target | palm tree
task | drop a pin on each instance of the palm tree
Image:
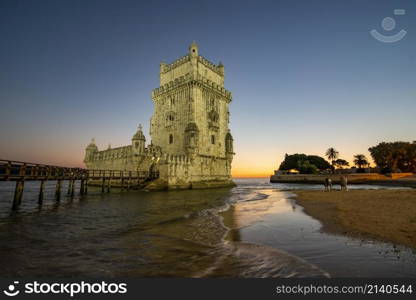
(332, 155)
(360, 160)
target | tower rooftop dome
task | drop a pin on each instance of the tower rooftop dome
(139, 134)
(92, 145)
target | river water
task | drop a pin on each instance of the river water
(253, 230)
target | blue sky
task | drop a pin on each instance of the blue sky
(305, 75)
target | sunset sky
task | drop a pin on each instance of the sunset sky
(305, 75)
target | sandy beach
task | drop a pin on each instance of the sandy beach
(385, 215)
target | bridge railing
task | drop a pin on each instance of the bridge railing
(20, 172)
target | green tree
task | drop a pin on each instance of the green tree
(332, 155)
(339, 163)
(305, 167)
(382, 156)
(319, 162)
(294, 161)
(411, 156)
(291, 161)
(360, 161)
(395, 156)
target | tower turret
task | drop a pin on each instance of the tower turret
(191, 138)
(90, 151)
(193, 49)
(229, 144)
(193, 53)
(163, 66)
(220, 68)
(138, 141)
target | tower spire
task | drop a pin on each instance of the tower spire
(193, 49)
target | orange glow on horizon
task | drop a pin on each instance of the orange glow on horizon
(244, 166)
(242, 172)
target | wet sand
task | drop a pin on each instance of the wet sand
(385, 215)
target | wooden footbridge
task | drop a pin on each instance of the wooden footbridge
(20, 172)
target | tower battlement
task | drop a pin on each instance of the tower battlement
(190, 79)
(164, 67)
(191, 64)
(216, 68)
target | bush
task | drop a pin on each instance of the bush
(292, 162)
(305, 167)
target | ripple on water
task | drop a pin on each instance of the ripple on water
(166, 234)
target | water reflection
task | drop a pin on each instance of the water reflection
(246, 231)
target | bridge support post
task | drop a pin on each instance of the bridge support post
(69, 187)
(108, 185)
(82, 187)
(86, 187)
(72, 188)
(41, 190)
(18, 194)
(102, 185)
(58, 190)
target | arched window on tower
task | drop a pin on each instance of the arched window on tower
(213, 139)
(170, 118)
(170, 139)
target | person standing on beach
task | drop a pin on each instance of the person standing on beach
(328, 184)
(343, 183)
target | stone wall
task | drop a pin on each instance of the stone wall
(399, 175)
(352, 178)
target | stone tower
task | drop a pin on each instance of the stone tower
(138, 141)
(191, 144)
(191, 114)
(90, 151)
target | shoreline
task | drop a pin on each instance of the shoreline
(396, 183)
(382, 215)
(396, 179)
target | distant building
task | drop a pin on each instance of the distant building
(191, 142)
